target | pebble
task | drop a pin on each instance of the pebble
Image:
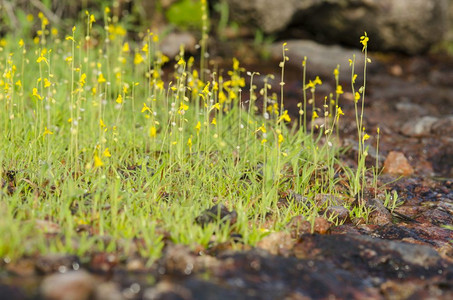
(299, 225)
(418, 127)
(397, 164)
(108, 291)
(277, 243)
(74, 285)
(55, 262)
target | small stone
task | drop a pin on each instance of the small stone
(74, 285)
(277, 243)
(216, 213)
(299, 225)
(55, 262)
(171, 43)
(396, 164)
(108, 291)
(379, 215)
(338, 212)
(327, 200)
(178, 260)
(419, 127)
(443, 127)
(167, 290)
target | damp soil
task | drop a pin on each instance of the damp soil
(404, 255)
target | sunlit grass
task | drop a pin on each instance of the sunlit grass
(115, 158)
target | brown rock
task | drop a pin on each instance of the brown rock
(277, 243)
(299, 225)
(338, 212)
(396, 164)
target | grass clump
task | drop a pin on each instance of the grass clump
(100, 153)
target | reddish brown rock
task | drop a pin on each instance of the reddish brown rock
(396, 164)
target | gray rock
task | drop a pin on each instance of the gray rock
(444, 127)
(74, 285)
(410, 26)
(269, 15)
(171, 44)
(418, 127)
(321, 59)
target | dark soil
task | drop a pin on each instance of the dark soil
(409, 256)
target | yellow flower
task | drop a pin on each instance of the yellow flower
(315, 115)
(189, 143)
(356, 97)
(198, 127)
(339, 111)
(280, 139)
(365, 137)
(262, 128)
(47, 83)
(46, 132)
(336, 72)
(183, 107)
(107, 153)
(364, 41)
(35, 93)
(125, 47)
(138, 59)
(152, 131)
(92, 19)
(101, 123)
(119, 99)
(82, 79)
(19, 83)
(285, 117)
(215, 106)
(339, 90)
(317, 81)
(101, 78)
(214, 121)
(145, 108)
(354, 78)
(97, 161)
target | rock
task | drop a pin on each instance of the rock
(269, 15)
(108, 291)
(396, 164)
(379, 215)
(216, 213)
(418, 127)
(327, 200)
(277, 243)
(171, 44)
(74, 285)
(321, 59)
(55, 262)
(299, 225)
(167, 290)
(177, 260)
(444, 127)
(338, 212)
(410, 26)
